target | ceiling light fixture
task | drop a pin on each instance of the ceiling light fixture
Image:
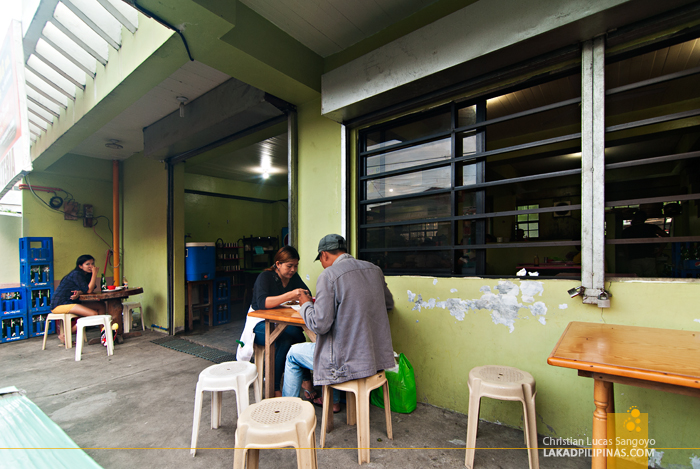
(114, 144)
(266, 175)
(182, 100)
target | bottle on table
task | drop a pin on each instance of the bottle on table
(103, 284)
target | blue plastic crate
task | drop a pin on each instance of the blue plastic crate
(222, 314)
(36, 274)
(13, 328)
(39, 299)
(36, 249)
(10, 304)
(37, 322)
(222, 289)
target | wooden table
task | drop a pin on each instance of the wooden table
(276, 320)
(113, 305)
(662, 359)
(210, 305)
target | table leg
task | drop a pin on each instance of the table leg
(189, 306)
(269, 362)
(602, 391)
(114, 309)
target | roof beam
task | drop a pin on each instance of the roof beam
(68, 56)
(80, 42)
(86, 19)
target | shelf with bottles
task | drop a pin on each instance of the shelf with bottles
(39, 299)
(13, 328)
(228, 256)
(259, 252)
(13, 301)
(37, 323)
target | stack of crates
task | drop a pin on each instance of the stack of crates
(37, 276)
(13, 314)
(222, 299)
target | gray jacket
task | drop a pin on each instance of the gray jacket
(351, 322)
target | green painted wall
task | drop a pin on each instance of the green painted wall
(208, 218)
(10, 232)
(319, 185)
(145, 233)
(443, 348)
(89, 180)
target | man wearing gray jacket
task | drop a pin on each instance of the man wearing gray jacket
(349, 318)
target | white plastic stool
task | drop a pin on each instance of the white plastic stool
(508, 384)
(357, 411)
(227, 376)
(279, 422)
(126, 312)
(67, 332)
(259, 354)
(104, 320)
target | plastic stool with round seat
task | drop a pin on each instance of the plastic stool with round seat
(65, 317)
(507, 384)
(227, 376)
(127, 308)
(104, 320)
(357, 410)
(279, 422)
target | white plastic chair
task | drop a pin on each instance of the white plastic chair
(66, 327)
(508, 384)
(227, 376)
(104, 320)
(279, 422)
(127, 309)
(357, 411)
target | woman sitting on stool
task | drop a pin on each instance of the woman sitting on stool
(82, 279)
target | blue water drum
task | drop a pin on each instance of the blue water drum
(200, 261)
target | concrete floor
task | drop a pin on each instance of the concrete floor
(134, 409)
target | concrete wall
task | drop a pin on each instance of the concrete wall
(89, 180)
(319, 185)
(145, 234)
(10, 232)
(208, 217)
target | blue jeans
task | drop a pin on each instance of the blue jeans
(291, 335)
(299, 359)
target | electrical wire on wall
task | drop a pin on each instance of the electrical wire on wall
(56, 202)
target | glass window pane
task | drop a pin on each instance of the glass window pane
(433, 206)
(419, 234)
(466, 116)
(553, 261)
(466, 174)
(536, 96)
(652, 64)
(391, 135)
(412, 183)
(412, 262)
(544, 125)
(405, 158)
(531, 162)
(522, 217)
(468, 143)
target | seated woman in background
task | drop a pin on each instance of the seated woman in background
(275, 285)
(82, 279)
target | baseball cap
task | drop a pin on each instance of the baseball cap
(330, 242)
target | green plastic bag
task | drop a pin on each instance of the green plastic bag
(402, 388)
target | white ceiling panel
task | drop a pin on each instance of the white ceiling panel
(98, 19)
(76, 29)
(48, 73)
(68, 47)
(43, 101)
(59, 62)
(45, 89)
(40, 113)
(126, 15)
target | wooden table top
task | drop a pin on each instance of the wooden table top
(288, 315)
(646, 353)
(110, 294)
